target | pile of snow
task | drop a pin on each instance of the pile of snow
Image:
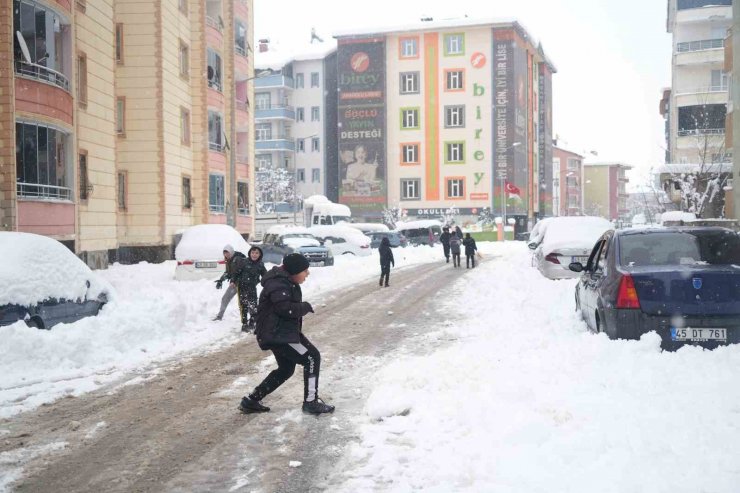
(207, 241)
(35, 268)
(676, 216)
(317, 199)
(574, 232)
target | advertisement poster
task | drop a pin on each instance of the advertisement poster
(361, 122)
(545, 141)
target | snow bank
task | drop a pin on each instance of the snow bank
(207, 241)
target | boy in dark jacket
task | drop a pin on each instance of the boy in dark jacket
(444, 238)
(386, 260)
(470, 249)
(247, 274)
(455, 249)
(279, 328)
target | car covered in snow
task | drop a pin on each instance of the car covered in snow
(279, 241)
(342, 240)
(199, 254)
(395, 238)
(565, 240)
(681, 282)
(421, 232)
(45, 284)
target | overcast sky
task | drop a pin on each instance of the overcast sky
(613, 58)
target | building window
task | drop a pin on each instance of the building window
(242, 192)
(300, 114)
(184, 60)
(263, 131)
(122, 190)
(410, 153)
(454, 152)
(316, 175)
(262, 100)
(411, 189)
(315, 114)
(215, 131)
(82, 80)
(572, 201)
(301, 145)
(240, 38)
(119, 43)
(299, 81)
(573, 163)
(184, 126)
(301, 175)
(41, 162)
(454, 116)
(314, 79)
(454, 44)
(409, 118)
(121, 116)
(409, 82)
(315, 144)
(84, 183)
(187, 198)
(718, 81)
(705, 119)
(214, 70)
(183, 5)
(409, 47)
(454, 80)
(263, 161)
(216, 193)
(455, 188)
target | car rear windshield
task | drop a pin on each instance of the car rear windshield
(680, 248)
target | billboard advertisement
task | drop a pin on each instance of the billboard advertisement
(545, 140)
(361, 125)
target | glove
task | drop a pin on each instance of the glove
(308, 307)
(219, 284)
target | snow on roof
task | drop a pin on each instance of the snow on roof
(278, 56)
(337, 230)
(692, 168)
(332, 209)
(316, 199)
(207, 241)
(574, 232)
(35, 268)
(422, 223)
(369, 227)
(677, 216)
(605, 162)
(281, 229)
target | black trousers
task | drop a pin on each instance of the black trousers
(385, 271)
(456, 259)
(446, 249)
(288, 356)
(247, 301)
(470, 260)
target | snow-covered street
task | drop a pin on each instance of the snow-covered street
(495, 385)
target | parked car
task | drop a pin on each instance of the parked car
(199, 253)
(681, 282)
(342, 240)
(566, 240)
(45, 284)
(395, 238)
(368, 227)
(538, 231)
(282, 240)
(422, 232)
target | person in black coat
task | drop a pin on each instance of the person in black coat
(459, 232)
(470, 249)
(280, 329)
(444, 238)
(386, 260)
(247, 274)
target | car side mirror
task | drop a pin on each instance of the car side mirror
(576, 267)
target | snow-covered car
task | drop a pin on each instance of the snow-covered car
(538, 231)
(199, 253)
(395, 238)
(566, 240)
(282, 240)
(421, 232)
(342, 240)
(367, 227)
(45, 284)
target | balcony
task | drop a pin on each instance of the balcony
(37, 191)
(703, 11)
(275, 143)
(701, 131)
(41, 73)
(216, 24)
(274, 81)
(274, 111)
(701, 45)
(696, 57)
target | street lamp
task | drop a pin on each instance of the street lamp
(502, 175)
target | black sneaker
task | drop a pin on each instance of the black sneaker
(246, 328)
(249, 405)
(317, 406)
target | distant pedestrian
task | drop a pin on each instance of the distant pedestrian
(444, 238)
(386, 260)
(247, 274)
(279, 329)
(470, 249)
(431, 237)
(459, 232)
(229, 255)
(455, 249)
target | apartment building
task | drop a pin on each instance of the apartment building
(444, 115)
(699, 92)
(567, 182)
(605, 189)
(131, 121)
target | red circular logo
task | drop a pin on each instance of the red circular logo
(360, 61)
(478, 59)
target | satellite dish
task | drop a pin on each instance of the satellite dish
(24, 46)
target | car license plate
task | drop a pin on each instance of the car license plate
(698, 335)
(580, 260)
(316, 264)
(206, 265)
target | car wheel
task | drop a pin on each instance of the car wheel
(36, 322)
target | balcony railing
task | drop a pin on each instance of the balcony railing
(243, 211)
(701, 45)
(239, 50)
(275, 136)
(215, 84)
(701, 131)
(38, 191)
(39, 72)
(217, 208)
(242, 106)
(216, 146)
(242, 158)
(214, 23)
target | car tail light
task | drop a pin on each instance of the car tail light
(185, 262)
(553, 257)
(364, 246)
(221, 262)
(627, 294)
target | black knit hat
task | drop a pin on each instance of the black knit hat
(295, 263)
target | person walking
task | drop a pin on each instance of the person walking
(444, 238)
(386, 260)
(455, 249)
(229, 256)
(470, 249)
(459, 232)
(280, 329)
(249, 272)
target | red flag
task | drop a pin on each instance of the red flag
(512, 189)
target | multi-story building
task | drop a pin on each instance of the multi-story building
(605, 190)
(441, 115)
(121, 140)
(699, 91)
(732, 140)
(567, 182)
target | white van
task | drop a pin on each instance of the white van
(342, 240)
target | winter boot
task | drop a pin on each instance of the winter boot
(249, 405)
(217, 318)
(246, 328)
(317, 406)
(380, 283)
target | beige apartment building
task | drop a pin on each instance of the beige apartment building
(131, 122)
(605, 189)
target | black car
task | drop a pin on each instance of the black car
(395, 238)
(683, 283)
